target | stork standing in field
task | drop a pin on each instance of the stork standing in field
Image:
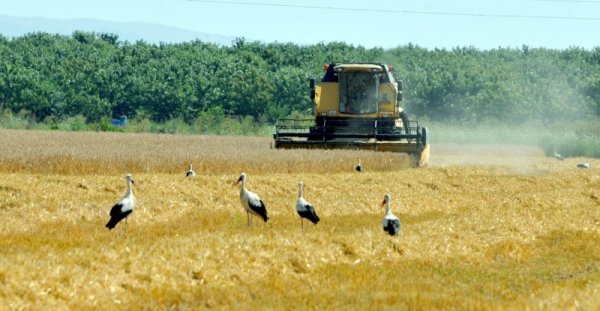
(585, 164)
(391, 223)
(558, 155)
(190, 172)
(305, 209)
(359, 167)
(251, 202)
(123, 208)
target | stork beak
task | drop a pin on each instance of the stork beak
(238, 181)
(133, 181)
(382, 203)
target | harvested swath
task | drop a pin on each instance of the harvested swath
(525, 237)
(182, 240)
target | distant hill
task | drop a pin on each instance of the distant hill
(130, 31)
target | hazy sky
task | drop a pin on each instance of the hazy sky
(443, 23)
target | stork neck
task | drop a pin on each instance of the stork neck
(129, 191)
(243, 184)
(387, 208)
(300, 190)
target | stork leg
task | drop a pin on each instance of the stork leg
(122, 231)
(126, 228)
(249, 220)
(302, 223)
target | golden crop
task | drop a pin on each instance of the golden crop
(484, 227)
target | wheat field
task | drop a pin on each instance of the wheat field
(483, 227)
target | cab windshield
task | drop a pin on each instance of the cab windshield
(358, 92)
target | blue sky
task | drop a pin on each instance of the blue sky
(444, 24)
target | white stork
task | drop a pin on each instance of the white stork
(251, 202)
(358, 166)
(391, 223)
(190, 172)
(305, 209)
(585, 164)
(123, 208)
(558, 155)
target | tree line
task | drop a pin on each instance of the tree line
(97, 76)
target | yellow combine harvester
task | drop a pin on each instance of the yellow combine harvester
(357, 106)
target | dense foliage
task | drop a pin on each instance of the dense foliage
(507, 85)
(97, 76)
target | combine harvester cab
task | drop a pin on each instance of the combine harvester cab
(357, 106)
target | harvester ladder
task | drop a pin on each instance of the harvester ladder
(324, 130)
(376, 132)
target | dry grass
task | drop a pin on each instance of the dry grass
(79, 153)
(522, 234)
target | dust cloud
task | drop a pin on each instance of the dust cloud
(514, 158)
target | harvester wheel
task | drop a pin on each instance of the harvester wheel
(424, 136)
(415, 157)
(404, 118)
(315, 133)
(423, 158)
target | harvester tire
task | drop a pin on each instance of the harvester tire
(424, 136)
(404, 118)
(316, 131)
